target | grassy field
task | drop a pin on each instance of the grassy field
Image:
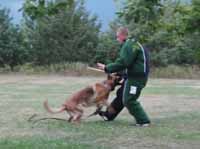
(173, 105)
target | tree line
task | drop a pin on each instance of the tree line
(60, 31)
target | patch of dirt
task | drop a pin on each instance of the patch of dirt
(157, 104)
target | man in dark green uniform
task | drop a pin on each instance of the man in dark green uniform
(133, 59)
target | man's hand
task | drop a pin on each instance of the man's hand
(101, 66)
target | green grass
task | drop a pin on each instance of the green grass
(37, 143)
(173, 106)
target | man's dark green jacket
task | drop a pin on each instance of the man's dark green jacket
(134, 59)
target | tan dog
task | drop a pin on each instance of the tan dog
(96, 95)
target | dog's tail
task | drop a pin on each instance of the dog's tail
(53, 111)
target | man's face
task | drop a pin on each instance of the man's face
(120, 37)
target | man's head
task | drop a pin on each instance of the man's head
(122, 34)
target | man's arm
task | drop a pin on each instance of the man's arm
(126, 59)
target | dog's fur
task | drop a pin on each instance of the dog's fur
(95, 95)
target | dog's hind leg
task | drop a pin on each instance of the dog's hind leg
(70, 119)
(70, 116)
(77, 117)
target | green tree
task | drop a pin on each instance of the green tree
(39, 8)
(141, 17)
(167, 43)
(168, 28)
(192, 35)
(70, 34)
(12, 51)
